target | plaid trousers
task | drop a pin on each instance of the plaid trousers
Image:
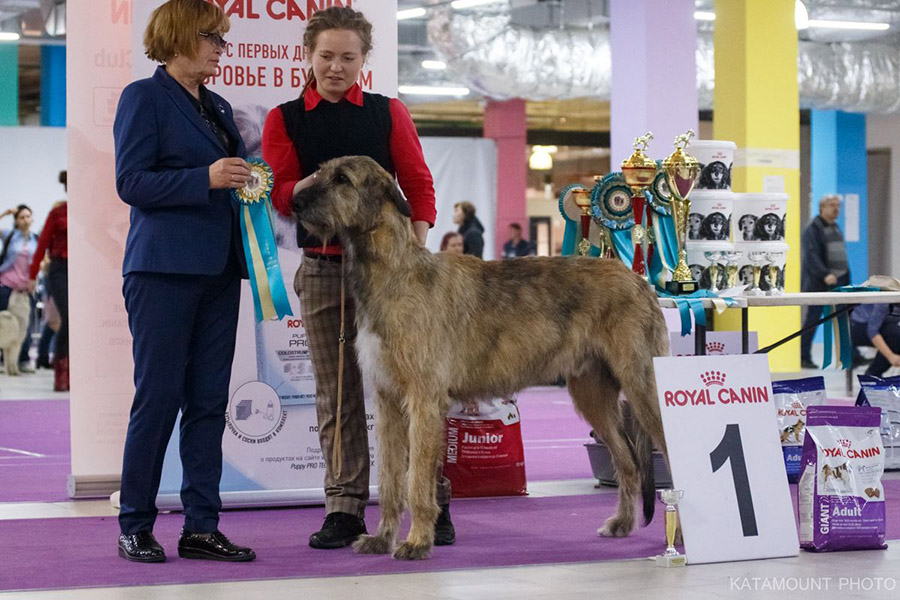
(318, 286)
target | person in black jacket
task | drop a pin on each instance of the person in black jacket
(470, 228)
(823, 259)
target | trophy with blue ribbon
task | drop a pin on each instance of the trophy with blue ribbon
(681, 173)
(270, 298)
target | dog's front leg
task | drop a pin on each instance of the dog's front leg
(393, 452)
(426, 433)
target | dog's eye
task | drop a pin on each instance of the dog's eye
(341, 178)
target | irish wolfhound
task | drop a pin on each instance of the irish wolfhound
(436, 326)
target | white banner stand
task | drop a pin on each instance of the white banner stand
(724, 452)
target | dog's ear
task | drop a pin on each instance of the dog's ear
(399, 201)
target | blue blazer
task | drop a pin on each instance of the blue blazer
(163, 154)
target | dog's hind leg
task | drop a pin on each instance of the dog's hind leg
(393, 458)
(426, 437)
(596, 396)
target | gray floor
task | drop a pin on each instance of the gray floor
(872, 574)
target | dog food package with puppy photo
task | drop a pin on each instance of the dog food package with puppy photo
(840, 496)
(484, 455)
(884, 393)
(792, 397)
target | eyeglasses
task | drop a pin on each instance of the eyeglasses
(215, 38)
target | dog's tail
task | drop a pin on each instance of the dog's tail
(641, 446)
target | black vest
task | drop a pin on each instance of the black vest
(335, 129)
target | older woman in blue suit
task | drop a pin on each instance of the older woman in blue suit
(178, 154)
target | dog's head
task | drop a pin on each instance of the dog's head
(350, 195)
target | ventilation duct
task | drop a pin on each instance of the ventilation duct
(485, 51)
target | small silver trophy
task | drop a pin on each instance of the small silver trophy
(671, 557)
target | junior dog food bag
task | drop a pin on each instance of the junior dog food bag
(885, 394)
(841, 499)
(484, 455)
(792, 397)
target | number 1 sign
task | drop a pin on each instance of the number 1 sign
(720, 423)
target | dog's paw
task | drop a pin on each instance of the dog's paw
(616, 527)
(408, 551)
(370, 544)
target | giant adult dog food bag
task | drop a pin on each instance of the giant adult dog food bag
(483, 455)
(792, 397)
(885, 394)
(841, 499)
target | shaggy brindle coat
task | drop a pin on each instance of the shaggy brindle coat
(436, 326)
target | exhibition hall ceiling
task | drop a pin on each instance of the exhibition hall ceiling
(43, 21)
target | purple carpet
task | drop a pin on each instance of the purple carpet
(34, 450)
(35, 460)
(554, 436)
(490, 533)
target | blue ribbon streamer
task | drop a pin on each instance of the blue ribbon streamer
(621, 239)
(260, 214)
(688, 303)
(842, 324)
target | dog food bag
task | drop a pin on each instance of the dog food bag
(840, 496)
(484, 455)
(792, 397)
(885, 394)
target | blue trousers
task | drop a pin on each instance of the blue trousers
(184, 329)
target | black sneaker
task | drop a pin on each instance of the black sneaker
(808, 364)
(444, 533)
(339, 530)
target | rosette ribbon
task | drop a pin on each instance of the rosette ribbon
(270, 298)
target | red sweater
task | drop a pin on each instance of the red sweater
(54, 237)
(406, 153)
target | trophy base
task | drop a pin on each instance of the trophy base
(671, 561)
(678, 288)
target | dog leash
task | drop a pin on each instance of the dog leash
(336, 454)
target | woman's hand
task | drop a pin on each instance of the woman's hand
(894, 359)
(32, 285)
(228, 173)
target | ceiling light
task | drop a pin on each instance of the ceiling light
(860, 25)
(8, 36)
(801, 16)
(434, 65)
(704, 15)
(428, 90)
(471, 3)
(540, 159)
(410, 13)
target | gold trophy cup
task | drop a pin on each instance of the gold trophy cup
(582, 199)
(671, 557)
(639, 171)
(681, 172)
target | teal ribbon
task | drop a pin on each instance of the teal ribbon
(692, 303)
(571, 234)
(270, 297)
(842, 324)
(621, 239)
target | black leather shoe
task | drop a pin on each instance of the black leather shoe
(339, 530)
(808, 364)
(444, 532)
(141, 547)
(212, 546)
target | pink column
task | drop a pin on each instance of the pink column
(654, 74)
(504, 122)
